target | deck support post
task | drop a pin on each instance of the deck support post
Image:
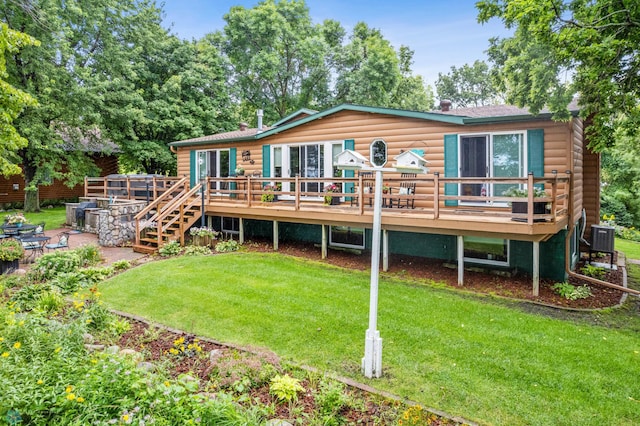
(460, 260)
(324, 241)
(385, 250)
(275, 235)
(536, 268)
(241, 226)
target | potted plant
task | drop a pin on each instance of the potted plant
(203, 236)
(239, 171)
(11, 252)
(268, 194)
(15, 219)
(521, 207)
(330, 199)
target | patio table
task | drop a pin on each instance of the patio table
(35, 245)
(15, 230)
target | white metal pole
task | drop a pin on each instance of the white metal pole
(372, 361)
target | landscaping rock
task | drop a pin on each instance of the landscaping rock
(88, 338)
(113, 349)
(278, 422)
(215, 354)
(147, 366)
(93, 348)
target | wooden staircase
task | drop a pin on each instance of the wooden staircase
(168, 217)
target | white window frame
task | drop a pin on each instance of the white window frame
(206, 152)
(489, 157)
(285, 161)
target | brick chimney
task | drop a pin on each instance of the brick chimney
(445, 105)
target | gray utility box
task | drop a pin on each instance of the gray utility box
(602, 239)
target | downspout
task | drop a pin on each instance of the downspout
(567, 252)
(173, 149)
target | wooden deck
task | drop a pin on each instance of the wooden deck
(434, 212)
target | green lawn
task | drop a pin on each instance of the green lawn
(474, 357)
(630, 248)
(54, 218)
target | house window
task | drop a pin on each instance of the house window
(491, 155)
(310, 160)
(215, 163)
(492, 251)
(346, 236)
(230, 225)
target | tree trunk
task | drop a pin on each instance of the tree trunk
(31, 197)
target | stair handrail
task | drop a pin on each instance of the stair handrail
(161, 198)
(176, 204)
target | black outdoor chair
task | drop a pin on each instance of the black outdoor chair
(39, 231)
(407, 189)
(62, 241)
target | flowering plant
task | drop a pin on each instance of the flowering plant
(268, 196)
(332, 187)
(205, 231)
(15, 218)
(10, 250)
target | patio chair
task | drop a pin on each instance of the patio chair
(62, 242)
(39, 231)
(367, 188)
(407, 188)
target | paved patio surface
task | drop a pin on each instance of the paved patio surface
(109, 254)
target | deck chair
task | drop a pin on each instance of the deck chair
(407, 189)
(367, 188)
(62, 242)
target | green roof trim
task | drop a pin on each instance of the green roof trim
(294, 114)
(430, 116)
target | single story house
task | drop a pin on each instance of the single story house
(459, 211)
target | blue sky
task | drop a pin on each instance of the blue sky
(441, 33)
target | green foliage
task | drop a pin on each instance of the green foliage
(172, 248)
(227, 246)
(10, 250)
(121, 265)
(595, 42)
(50, 265)
(197, 251)
(593, 271)
(468, 86)
(285, 387)
(571, 292)
(331, 399)
(12, 101)
(89, 254)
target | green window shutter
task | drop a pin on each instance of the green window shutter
(232, 161)
(348, 187)
(192, 168)
(535, 153)
(266, 160)
(450, 166)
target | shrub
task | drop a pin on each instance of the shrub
(50, 265)
(331, 398)
(172, 248)
(121, 265)
(285, 388)
(196, 251)
(571, 292)
(89, 254)
(227, 246)
(593, 271)
(10, 250)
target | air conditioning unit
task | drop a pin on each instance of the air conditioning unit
(602, 238)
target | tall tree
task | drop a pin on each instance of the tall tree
(560, 48)
(86, 51)
(368, 69)
(468, 86)
(278, 56)
(411, 92)
(12, 102)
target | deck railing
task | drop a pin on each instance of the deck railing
(434, 194)
(129, 187)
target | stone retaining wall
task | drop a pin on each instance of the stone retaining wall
(116, 223)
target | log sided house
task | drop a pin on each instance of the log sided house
(272, 182)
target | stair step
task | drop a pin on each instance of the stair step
(138, 248)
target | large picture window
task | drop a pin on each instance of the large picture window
(491, 155)
(309, 160)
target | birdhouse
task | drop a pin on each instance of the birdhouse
(410, 162)
(349, 160)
